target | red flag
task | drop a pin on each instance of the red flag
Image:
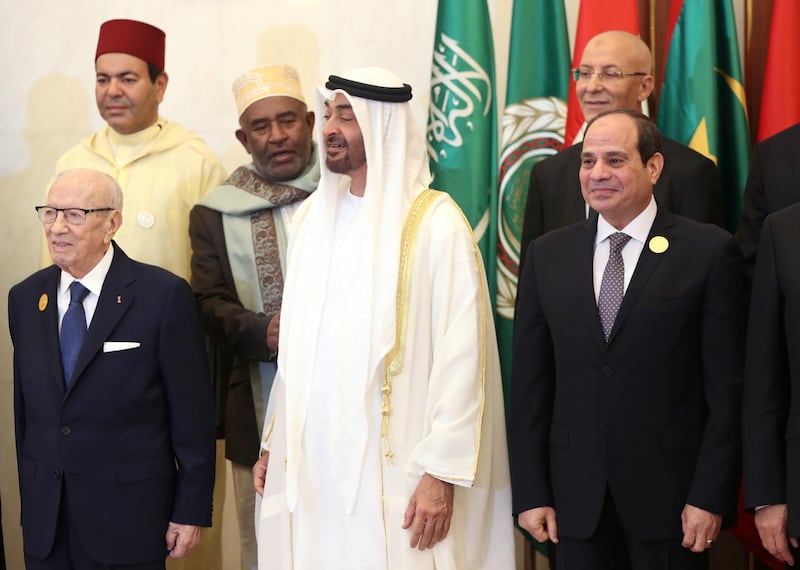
(780, 99)
(596, 16)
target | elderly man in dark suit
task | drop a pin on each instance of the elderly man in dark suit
(627, 370)
(772, 387)
(615, 73)
(112, 397)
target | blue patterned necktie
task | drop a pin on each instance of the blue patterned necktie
(73, 329)
(612, 287)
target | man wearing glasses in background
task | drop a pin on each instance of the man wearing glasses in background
(113, 407)
(615, 74)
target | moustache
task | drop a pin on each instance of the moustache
(336, 139)
(117, 102)
(271, 153)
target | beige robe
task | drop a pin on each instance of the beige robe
(163, 171)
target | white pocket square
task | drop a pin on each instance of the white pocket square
(117, 346)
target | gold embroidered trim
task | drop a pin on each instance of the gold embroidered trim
(484, 310)
(268, 435)
(394, 360)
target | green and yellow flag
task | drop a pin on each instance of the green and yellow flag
(703, 101)
(462, 124)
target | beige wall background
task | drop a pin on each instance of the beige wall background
(47, 104)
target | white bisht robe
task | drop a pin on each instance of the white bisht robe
(346, 454)
(446, 420)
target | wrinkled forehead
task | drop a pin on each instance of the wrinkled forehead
(78, 188)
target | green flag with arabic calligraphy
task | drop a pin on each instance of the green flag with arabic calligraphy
(462, 126)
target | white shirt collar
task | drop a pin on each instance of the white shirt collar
(93, 280)
(638, 228)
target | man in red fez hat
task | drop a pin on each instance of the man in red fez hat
(163, 170)
(133, 53)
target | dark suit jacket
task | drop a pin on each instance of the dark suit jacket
(654, 414)
(772, 380)
(688, 186)
(772, 184)
(131, 443)
(238, 335)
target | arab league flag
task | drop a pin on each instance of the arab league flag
(780, 99)
(532, 129)
(462, 125)
(702, 101)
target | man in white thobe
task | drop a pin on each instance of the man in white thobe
(384, 443)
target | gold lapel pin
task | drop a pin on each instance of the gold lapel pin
(43, 302)
(658, 244)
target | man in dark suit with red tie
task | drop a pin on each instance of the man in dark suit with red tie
(627, 371)
(112, 398)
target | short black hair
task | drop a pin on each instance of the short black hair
(153, 71)
(649, 140)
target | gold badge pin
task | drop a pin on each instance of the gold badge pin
(43, 302)
(658, 244)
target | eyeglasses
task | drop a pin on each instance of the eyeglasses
(73, 216)
(609, 74)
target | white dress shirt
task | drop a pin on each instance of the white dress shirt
(638, 229)
(93, 281)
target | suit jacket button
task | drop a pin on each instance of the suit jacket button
(65, 430)
(57, 474)
(608, 371)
